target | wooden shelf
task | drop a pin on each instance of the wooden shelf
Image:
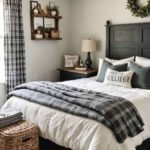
(47, 16)
(54, 39)
(41, 21)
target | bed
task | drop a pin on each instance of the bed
(76, 132)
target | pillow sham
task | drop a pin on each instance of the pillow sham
(114, 62)
(106, 65)
(144, 62)
(141, 76)
(116, 78)
(121, 61)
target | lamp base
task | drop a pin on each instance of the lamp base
(88, 61)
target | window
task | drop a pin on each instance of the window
(2, 70)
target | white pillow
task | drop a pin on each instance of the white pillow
(116, 78)
(114, 62)
(121, 61)
(144, 62)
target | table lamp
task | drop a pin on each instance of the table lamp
(88, 45)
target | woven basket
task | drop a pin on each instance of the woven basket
(19, 136)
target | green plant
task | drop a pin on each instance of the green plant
(46, 30)
(137, 10)
(55, 8)
(40, 28)
(48, 8)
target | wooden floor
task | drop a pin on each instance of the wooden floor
(47, 145)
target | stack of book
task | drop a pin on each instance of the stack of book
(80, 68)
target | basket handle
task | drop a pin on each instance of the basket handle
(25, 139)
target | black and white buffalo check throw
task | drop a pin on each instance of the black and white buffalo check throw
(118, 114)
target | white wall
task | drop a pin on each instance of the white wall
(43, 57)
(2, 94)
(88, 18)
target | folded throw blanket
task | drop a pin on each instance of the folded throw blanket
(8, 117)
(117, 113)
(7, 113)
(11, 121)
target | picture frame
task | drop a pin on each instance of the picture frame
(71, 60)
(38, 22)
(49, 23)
(51, 5)
(34, 4)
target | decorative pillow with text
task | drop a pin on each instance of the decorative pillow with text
(116, 78)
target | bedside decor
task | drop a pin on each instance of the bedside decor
(47, 18)
(137, 10)
(88, 46)
(71, 60)
(80, 68)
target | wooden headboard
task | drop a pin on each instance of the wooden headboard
(125, 40)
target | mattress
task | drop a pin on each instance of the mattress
(80, 133)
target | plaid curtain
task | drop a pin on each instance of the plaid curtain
(14, 48)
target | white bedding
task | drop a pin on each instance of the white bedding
(80, 133)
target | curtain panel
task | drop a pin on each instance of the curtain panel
(14, 47)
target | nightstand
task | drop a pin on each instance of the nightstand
(72, 74)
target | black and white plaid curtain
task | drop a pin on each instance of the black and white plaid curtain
(14, 48)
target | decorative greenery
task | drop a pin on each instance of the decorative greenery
(137, 10)
(46, 30)
(48, 9)
(55, 8)
(40, 28)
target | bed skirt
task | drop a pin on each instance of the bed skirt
(46, 144)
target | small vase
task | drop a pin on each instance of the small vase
(46, 35)
(53, 13)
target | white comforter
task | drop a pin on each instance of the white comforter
(80, 133)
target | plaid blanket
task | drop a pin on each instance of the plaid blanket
(118, 114)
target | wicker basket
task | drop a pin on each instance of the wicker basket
(19, 136)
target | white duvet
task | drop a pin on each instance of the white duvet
(80, 133)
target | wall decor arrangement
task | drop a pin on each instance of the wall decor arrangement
(138, 11)
(44, 22)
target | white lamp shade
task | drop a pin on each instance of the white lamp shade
(88, 45)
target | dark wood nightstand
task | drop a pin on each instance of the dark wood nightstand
(72, 74)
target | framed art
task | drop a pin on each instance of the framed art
(49, 23)
(71, 60)
(34, 4)
(51, 5)
(38, 22)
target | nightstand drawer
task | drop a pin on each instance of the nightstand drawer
(70, 76)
